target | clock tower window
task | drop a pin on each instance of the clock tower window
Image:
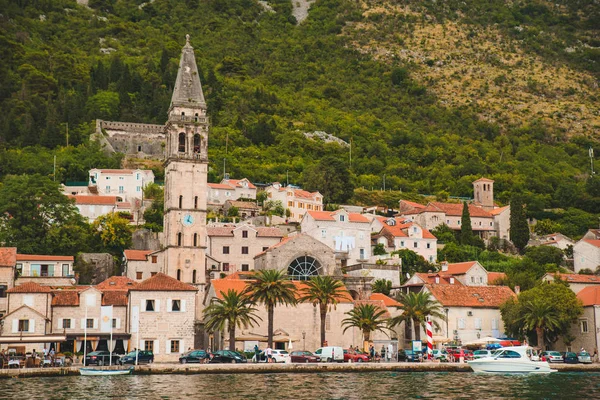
(180, 201)
(195, 239)
(179, 239)
(195, 201)
(182, 142)
(196, 143)
(178, 274)
(183, 116)
(194, 276)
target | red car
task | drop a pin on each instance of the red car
(351, 354)
(304, 357)
(455, 353)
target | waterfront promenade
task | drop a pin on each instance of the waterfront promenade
(182, 369)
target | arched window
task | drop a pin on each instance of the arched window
(179, 239)
(195, 239)
(195, 201)
(180, 201)
(196, 143)
(196, 117)
(178, 274)
(302, 268)
(182, 116)
(194, 276)
(182, 142)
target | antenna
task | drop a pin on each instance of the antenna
(591, 153)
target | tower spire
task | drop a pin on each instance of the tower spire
(188, 90)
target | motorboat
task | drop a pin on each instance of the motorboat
(511, 360)
(105, 372)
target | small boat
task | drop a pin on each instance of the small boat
(511, 360)
(105, 372)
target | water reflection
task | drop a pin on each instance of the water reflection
(372, 385)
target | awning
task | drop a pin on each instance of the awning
(33, 339)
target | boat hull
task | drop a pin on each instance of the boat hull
(508, 366)
(104, 372)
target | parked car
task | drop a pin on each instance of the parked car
(584, 357)
(551, 356)
(194, 356)
(227, 356)
(101, 358)
(482, 353)
(354, 356)
(569, 357)
(408, 355)
(304, 357)
(144, 357)
(280, 356)
(330, 354)
(440, 354)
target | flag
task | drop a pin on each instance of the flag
(106, 317)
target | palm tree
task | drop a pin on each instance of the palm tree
(235, 309)
(368, 318)
(322, 291)
(271, 287)
(416, 308)
(539, 315)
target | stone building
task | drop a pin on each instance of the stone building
(8, 260)
(397, 234)
(577, 282)
(45, 269)
(230, 189)
(132, 139)
(586, 254)
(125, 183)
(296, 200)
(586, 331)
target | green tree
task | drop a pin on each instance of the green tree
(114, 232)
(539, 316)
(466, 229)
(273, 207)
(233, 310)
(379, 250)
(325, 292)
(519, 229)
(546, 227)
(271, 287)
(330, 177)
(412, 262)
(444, 234)
(233, 212)
(154, 191)
(416, 307)
(383, 286)
(368, 318)
(544, 255)
(104, 105)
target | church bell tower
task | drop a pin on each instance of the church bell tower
(186, 169)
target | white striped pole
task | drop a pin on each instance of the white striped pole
(429, 338)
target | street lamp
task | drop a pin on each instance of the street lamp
(447, 330)
(303, 340)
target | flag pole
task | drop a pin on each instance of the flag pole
(85, 335)
(111, 338)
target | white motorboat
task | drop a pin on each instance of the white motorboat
(511, 360)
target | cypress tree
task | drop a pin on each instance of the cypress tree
(466, 230)
(519, 229)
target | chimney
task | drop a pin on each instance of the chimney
(517, 290)
(452, 280)
(444, 266)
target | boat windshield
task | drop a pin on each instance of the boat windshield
(508, 354)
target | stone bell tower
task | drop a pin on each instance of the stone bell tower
(186, 168)
(483, 192)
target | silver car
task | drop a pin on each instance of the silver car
(584, 357)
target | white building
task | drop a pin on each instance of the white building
(577, 282)
(94, 206)
(296, 200)
(397, 234)
(586, 254)
(125, 183)
(230, 189)
(44, 269)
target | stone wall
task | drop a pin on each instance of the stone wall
(102, 265)
(140, 140)
(144, 239)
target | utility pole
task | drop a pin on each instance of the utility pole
(350, 154)
(591, 153)
(54, 173)
(67, 134)
(384, 182)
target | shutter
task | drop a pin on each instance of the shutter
(95, 323)
(32, 326)
(182, 306)
(169, 305)
(157, 304)
(15, 326)
(181, 347)
(143, 306)
(72, 323)
(168, 347)
(82, 323)
(141, 346)
(156, 346)
(50, 270)
(118, 323)
(461, 323)
(494, 323)
(60, 323)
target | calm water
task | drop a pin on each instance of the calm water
(374, 385)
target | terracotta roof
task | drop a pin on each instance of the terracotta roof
(162, 282)
(94, 200)
(482, 179)
(412, 204)
(283, 241)
(459, 268)
(321, 215)
(65, 298)
(401, 229)
(219, 186)
(269, 232)
(30, 287)
(388, 301)
(444, 278)
(219, 231)
(137, 255)
(304, 194)
(471, 296)
(238, 183)
(124, 204)
(499, 210)
(39, 257)
(577, 278)
(114, 298)
(117, 171)
(455, 209)
(496, 276)
(356, 217)
(242, 204)
(589, 296)
(119, 283)
(593, 242)
(8, 256)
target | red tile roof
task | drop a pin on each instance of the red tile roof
(220, 186)
(356, 217)
(137, 255)
(377, 303)
(589, 296)
(412, 204)
(304, 194)
(38, 257)
(120, 283)
(482, 179)
(401, 229)
(30, 287)
(321, 215)
(444, 279)
(283, 241)
(455, 209)
(243, 204)
(114, 298)
(388, 301)
(228, 231)
(94, 200)
(117, 171)
(65, 298)
(238, 183)
(8, 256)
(593, 242)
(459, 268)
(577, 278)
(471, 296)
(496, 276)
(499, 210)
(269, 232)
(219, 231)
(162, 282)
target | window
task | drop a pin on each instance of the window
(481, 279)
(402, 243)
(179, 239)
(244, 250)
(472, 279)
(138, 175)
(175, 305)
(154, 259)
(245, 267)
(149, 305)
(23, 325)
(107, 189)
(477, 322)
(121, 189)
(225, 249)
(3, 289)
(194, 276)
(428, 245)
(108, 178)
(196, 143)
(195, 239)
(362, 254)
(138, 275)
(152, 273)
(182, 142)
(584, 325)
(431, 260)
(265, 248)
(244, 234)
(89, 323)
(19, 268)
(290, 204)
(342, 218)
(491, 224)
(65, 270)
(303, 268)
(180, 201)
(139, 148)
(178, 274)
(114, 323)
(328, 322)
(174, 346)
(458, 222)
(138, 188)
(226, 267)
(461, 323)
(195, 201)
(149, 345)
(415, 245)
(66, 323)
(494, 324)
(323, 233)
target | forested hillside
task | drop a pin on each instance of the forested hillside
(268, 79)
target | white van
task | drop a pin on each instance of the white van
(330, 354)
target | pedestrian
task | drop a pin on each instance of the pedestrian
(383, 352)
(45, 352)
(389, 352)
(33, 354)
(372, 352)
(269, 353)
(256, 352)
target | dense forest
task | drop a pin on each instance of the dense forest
(268, 80)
